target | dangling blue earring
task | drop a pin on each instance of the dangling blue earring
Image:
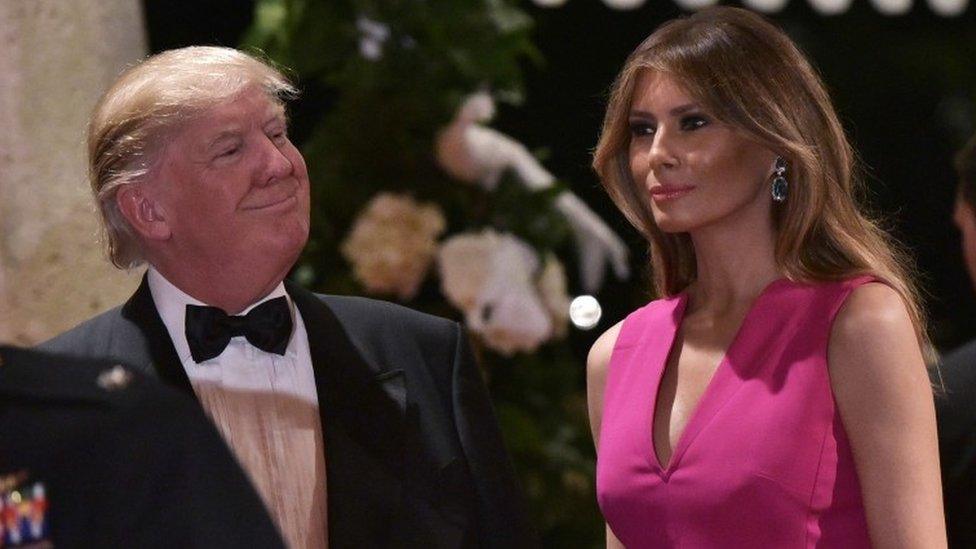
(781, 186)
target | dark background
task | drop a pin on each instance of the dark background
(904, 87)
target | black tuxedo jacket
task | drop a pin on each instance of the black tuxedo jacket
(956, 412)
(413, 455)
(113, 474)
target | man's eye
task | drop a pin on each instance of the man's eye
(641, 129)
(693, 122)
(228, 152)
(277, 134)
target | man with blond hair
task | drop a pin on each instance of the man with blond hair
(361, 423)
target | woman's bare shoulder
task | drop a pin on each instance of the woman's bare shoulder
(599, 357)
(874, 355)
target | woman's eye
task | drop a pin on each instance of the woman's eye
(640, 129)
(693, 122)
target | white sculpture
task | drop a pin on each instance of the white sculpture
(474, 153)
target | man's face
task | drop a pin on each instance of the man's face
(965, 219)
(234, 190)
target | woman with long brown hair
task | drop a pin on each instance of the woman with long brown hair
(776, 395)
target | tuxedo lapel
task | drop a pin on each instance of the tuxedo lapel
(363, 410)
(142, 312)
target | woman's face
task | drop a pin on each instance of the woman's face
(697, 171)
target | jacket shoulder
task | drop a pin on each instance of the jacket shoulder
(109, 336)
(393, 337)
(962, 358)
(957, 373)
(365, 315)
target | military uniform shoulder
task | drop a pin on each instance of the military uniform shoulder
(43, 376)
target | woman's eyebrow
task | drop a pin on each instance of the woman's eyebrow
(676, 111)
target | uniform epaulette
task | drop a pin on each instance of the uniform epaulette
(30, 374)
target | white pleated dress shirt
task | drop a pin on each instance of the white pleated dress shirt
(266, 407)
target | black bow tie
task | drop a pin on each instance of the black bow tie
(209, 329)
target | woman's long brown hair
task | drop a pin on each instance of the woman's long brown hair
(747, 73)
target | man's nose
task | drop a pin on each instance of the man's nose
(276, 164)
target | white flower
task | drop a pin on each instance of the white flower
(462, 264)
(392, 244)
(491, 277)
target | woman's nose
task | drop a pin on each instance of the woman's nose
(661, 154)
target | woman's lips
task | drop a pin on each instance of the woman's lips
(663, 193)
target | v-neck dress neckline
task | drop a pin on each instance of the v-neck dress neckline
(717, 391)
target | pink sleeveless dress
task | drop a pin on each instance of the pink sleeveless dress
(764, 460)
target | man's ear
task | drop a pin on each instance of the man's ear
(144, 214)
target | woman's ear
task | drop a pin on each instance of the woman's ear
(144, 213)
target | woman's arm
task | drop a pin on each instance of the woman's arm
(597, 364)
(885, 401)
